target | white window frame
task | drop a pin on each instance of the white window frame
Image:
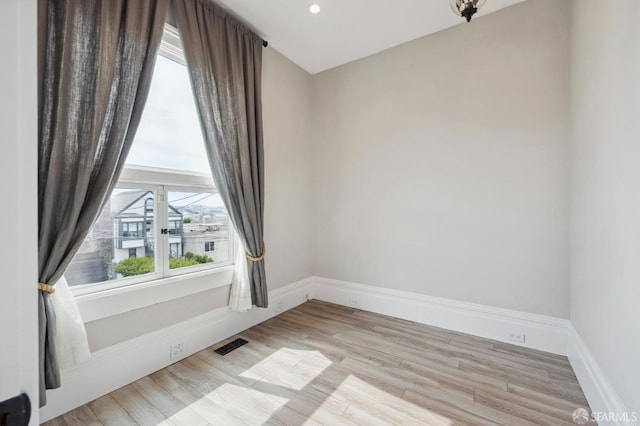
(161, 181)
(105, 299)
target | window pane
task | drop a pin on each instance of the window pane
(121, 242)
(198, 229)
(169, 134)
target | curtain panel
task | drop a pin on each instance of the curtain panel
(225, 65)
(95, 62)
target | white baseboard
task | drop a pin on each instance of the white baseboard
(541, 332)
(599, 392)
(124, 363)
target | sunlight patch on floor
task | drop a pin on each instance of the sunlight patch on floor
(295, 368)
(383, 406)
(237, 398)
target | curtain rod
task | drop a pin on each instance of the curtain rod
(265, 43)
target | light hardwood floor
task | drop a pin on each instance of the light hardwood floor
(327, 364)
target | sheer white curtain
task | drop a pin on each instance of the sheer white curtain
(70, 334)
(240, 298)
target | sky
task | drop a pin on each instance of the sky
(169, 134)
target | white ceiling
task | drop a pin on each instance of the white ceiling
(345, 30)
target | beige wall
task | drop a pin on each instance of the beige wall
(287, 128)
(605, 207)
(440, 166)
(417, 183)
(288, 216)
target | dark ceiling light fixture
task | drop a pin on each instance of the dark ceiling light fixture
(466, 8)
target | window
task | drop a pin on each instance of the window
(165, 215)
(131, 228)
(174, 250)
(175, 225)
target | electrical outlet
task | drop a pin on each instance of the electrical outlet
(354, 302)
(177, 350)
(516, 336)
(280, 306)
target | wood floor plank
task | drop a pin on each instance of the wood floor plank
(109, 412)
(395, 351)
(453, 377)
(270, 381)
(520, 411)
(558, 388)
(141, 410)
(482, 411)
(361, 417)
(547, 395)
(481, 354)
(448, 410)
(58, 421)
(556, 409)
(175, 410)
(198, 402)
(392, 380)
(81, 416)
(393, 333)
(235, 397)
(406, 379)
(383, 406)
(322, 322)
(333, 365)
(282, 328)
(532, 353)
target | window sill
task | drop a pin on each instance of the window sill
(117, 301)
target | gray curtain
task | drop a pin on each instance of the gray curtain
(95, 62)
(225, 64)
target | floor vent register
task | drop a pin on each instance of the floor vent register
(231, 346)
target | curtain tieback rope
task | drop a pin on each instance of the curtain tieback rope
(259, 258)
(46, 288)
